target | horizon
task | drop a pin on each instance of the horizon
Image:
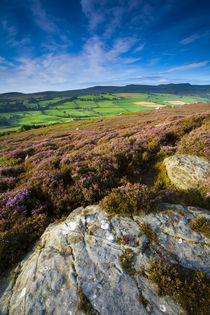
(51, 46)
(101, 86)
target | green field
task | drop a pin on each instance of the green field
(36, 111)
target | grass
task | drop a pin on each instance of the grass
(6, 162)
(55, 110)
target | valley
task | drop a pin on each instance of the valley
(19, 112)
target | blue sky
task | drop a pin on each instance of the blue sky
(71, 44)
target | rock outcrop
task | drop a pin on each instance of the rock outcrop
(187, 171)
(79, 262)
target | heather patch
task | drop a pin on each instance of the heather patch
(50, 172)
(201, 225)
(197, 142)
(24, 214)
(188, 287)
(130, 199)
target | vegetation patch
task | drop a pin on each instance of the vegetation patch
(142, 299)
(145, 228)
(130, 199)
(126, 260)
(84, 304)
(190, 288)
(6, 162)
(62, 167)
(201, 225)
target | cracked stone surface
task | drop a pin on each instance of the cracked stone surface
(84, 250)
(187, 171)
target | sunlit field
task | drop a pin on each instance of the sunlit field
(26, 112)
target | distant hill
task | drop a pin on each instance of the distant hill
(179, 89)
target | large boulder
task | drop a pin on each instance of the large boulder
(78, 264)
(187, 171)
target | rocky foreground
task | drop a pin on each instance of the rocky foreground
(94, 263)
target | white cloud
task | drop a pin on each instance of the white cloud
(112, 13)
(94, 15)
(43, 20)
(189, 39)
(154, 61)
(5, 62)
(67, 71)
(9, 29)
(12, 32)
(139, 48)
(189, 66)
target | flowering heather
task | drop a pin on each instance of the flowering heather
(60, 168)
(188, 287)
(130, 199)
(197, 142)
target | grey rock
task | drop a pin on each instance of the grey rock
(187, 171)
(84, 251)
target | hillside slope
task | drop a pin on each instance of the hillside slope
(179, 89)
(48, 172)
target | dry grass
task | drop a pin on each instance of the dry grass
(132, 95)
(176, 102)
(149, 104)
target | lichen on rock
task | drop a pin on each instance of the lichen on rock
(187, 171)
(75, 271)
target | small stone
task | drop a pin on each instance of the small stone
(163, 308)
(23, 292)
(72, 225)
(104, 225)
(110, 237)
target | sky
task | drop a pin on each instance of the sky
(72, 44)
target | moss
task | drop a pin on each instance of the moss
(145, 228)
(124, 239)
(162, 180)
(84, 304)
(201, 225)
(187, 287)
(126, 260)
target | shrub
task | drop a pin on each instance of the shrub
(20, 238)
(188, 287)
(12, 171)
(196, 142)
(7, 183)
(130, 199)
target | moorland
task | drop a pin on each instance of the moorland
(46, 173)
